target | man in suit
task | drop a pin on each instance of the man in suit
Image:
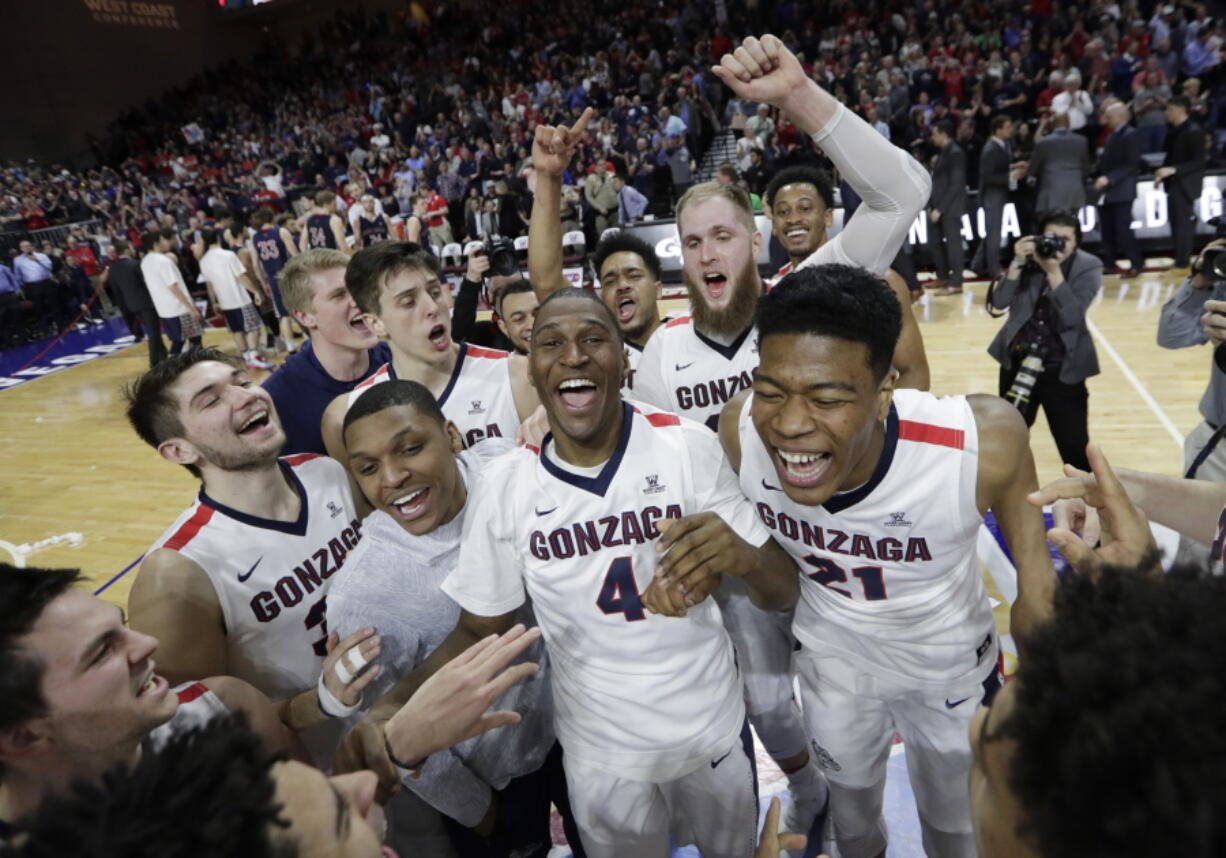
(1182, 174)
(945, 209)
(126, 278)
(630, 203)
(994, 186)
(1061, 164)
(1117, 170)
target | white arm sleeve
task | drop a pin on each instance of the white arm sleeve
(718, 489)
(893, 185)
(487, 580)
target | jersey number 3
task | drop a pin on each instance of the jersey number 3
(619, 594)
(829, 573)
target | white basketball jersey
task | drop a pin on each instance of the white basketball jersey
(271, 577)
(889, 573)
(197, 707)
(478, 397)
(645, 697)
(688, 373)
(634, 356)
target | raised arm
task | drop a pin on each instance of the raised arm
(892, 184)
(910, 359)
(552, 151)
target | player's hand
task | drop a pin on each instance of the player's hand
(1073, 515)
(365, 748)
(453, 704)
(1126, 539)
(553, 146)
(699, 547)
(669, 601)
(478, 264)
(345, 670)
(770, 841)
(1213, 322)
(534, 429)
(763, 70)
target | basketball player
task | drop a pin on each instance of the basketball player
(372, 225)
(271, 247)
(486, 393)
(516, 309)
(627, 266)
(324, 227)
(494, 791)
(181, 319)
(236, 584)
(80, 693)
(694, 365)
(878, 495)
(231, 291)
(800, 202)
(649, 707)
(340, 353)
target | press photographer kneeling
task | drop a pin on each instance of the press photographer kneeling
(1045, 350)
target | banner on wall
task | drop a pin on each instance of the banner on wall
(132, 13)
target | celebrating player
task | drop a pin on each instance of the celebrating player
(485, 393)
(800, 202)
(271, 246)
(236, 585)
(878, 495)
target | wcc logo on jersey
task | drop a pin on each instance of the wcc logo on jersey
(476, 409)
(653, 485)
(897, 519)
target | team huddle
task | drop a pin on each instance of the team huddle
(696, 512)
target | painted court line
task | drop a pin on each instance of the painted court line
(1166, 422)
(118, 575)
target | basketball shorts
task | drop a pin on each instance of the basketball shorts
(245, 318)
(714, 807)
(180, 328)
(274, 292)
(851, 717)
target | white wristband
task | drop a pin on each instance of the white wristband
(329, 705)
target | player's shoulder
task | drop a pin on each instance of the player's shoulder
(316, 466)
(481, 353)
(925, 418)
(181, 532)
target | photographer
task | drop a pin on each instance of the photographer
(1196, 314)
(1045, 350)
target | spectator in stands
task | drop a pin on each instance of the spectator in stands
(760, 124)
(1149, 108)
(36, 278)
(437, 223)
(10, 308)
(1073, 101)
(601, 195)
(1182, 174)
(946, 205)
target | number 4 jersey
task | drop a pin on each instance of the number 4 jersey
(642, 696)
(889, 574)
(271, 576)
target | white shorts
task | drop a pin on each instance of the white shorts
(851, 716)
(715, 807)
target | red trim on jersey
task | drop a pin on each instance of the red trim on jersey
(926, 433)
(196, 689)
(300, 458)
(663, 419)
(477, 351)
(190, 528)
(535, 449)
(681, 320)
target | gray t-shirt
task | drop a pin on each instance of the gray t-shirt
(391, 582)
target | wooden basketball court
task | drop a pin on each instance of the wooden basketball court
(69, 462)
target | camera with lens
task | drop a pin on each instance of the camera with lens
(1049, 245)
(503, 260)
(1213, 259)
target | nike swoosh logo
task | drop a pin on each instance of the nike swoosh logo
(545, 512)
(242, 578)
(956, 703)
(769, 487)
(720, 760)
(682, 366)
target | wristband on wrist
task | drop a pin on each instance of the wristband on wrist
(329, 705)
(411, 768)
